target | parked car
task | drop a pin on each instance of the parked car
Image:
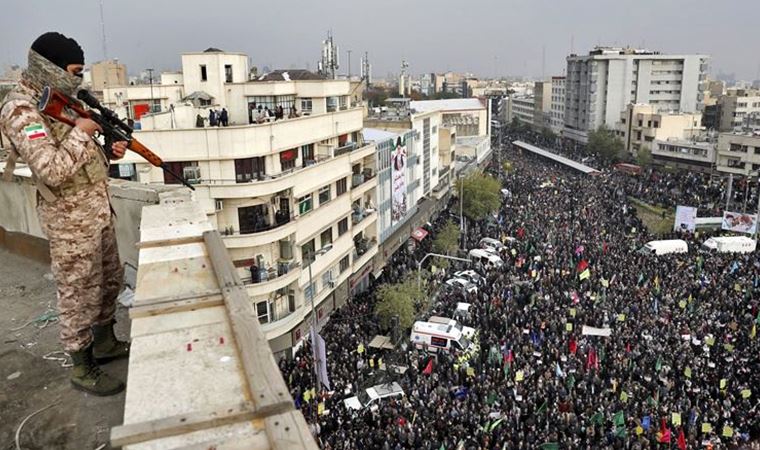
(469, 275)
(460, 283)
(370, 397)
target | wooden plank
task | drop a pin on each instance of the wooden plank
(262, 374)
(289, 431)
(174, 241)
(195, 421)
(237, 436)
(191, 304)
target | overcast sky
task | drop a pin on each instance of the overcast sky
(479, 36)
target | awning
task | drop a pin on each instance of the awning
(419, 234)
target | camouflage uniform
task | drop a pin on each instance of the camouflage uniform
(72, 203)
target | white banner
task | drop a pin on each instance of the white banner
(738, 222)
(592, 331)
(686, 218)
(398, 181)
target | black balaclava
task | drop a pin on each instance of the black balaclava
(48, 58)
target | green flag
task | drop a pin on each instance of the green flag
(597, 418)
(443, 447)
(658, 364)
(550, 446)
(570, 382)
(496, 424)
(542, 408)
(619, 421)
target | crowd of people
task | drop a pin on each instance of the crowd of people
(584, 342)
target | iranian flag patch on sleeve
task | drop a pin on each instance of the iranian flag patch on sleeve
(35, 131)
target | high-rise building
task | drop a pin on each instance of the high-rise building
(738, 108)
(557, 113)
(600, 85)
(542, 99)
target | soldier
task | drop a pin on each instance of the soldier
(71, 173)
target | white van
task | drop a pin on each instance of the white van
(665, 247)
(485, 258)
(730, 244)
(370, 397)
(491, 244)
(467, 331)
(435, 336)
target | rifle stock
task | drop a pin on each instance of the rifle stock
(138, 147)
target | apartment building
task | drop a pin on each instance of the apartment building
(695, 155)
(738, 153)
(600, 85)
(523, 108)
(104, 74)
(557, 112)
(640, 125)
(738, 108)
(295, 198)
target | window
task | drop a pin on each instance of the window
(341, 186)
(438, 342)
(228, 73)
(325, 238)
(307, 252)
(156, 106)
(343, 102)
(306, 105)
(204, 75)
(327, 278)
(307, 154)
(343, 226)
(344, 264)
(332, 104)
(187, 169)
(324, 194)
(288, 159)
(253, 219)
(304, 204)
(656, 124)
(249, 169)
(262, 311)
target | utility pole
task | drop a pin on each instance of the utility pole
(730, 185)
(103, 30)
(349, 64)
(150, 80)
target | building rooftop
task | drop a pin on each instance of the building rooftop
(290, 75)
(377, 135)
(455, 104)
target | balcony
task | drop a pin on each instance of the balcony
(364, 222)
(364, 249)
(263, 235)
(272, 279)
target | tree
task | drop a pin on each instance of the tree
(446, 242)
(604, 143)
(644, 156)
(402, 299)
(482, 195)
(548, 134)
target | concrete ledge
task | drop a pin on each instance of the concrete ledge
(26, 245)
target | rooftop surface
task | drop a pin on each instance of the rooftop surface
(454, 104)
(30, 380)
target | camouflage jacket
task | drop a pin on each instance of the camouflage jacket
(64, 160)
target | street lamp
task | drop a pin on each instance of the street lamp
(419, 264)
(312, 258)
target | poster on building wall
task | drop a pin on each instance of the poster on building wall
(738, 222)
(686, 218)
(398, 181)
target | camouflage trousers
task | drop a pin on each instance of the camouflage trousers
(89, 276)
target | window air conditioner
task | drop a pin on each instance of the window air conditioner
(192, 174)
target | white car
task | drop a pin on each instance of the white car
(369, 397)
(461, 283)
(469, 275)
(491, 244)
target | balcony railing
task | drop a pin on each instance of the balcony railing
(280, 218)
(362, 246)
(359, 215)
(271, 273)
(358, 179)
(345, 148)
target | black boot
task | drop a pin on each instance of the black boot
(87, 376)
(105, 346)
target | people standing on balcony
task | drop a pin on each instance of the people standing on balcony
(224, 117)
(212, 118)
(269, 113)
(199, 121)
(261, 116)
(293, 113)
(279, 114)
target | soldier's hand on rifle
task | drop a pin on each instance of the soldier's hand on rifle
(118, 149)
(88, 126)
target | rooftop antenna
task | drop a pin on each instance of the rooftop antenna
(103, 30)
(543, 61)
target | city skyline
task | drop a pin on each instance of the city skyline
(486, 38)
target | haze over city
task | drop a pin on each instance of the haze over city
(483, 36)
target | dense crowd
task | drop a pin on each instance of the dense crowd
(679, 369)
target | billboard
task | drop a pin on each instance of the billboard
(738, 222)
(686, 218)
(398, 181)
